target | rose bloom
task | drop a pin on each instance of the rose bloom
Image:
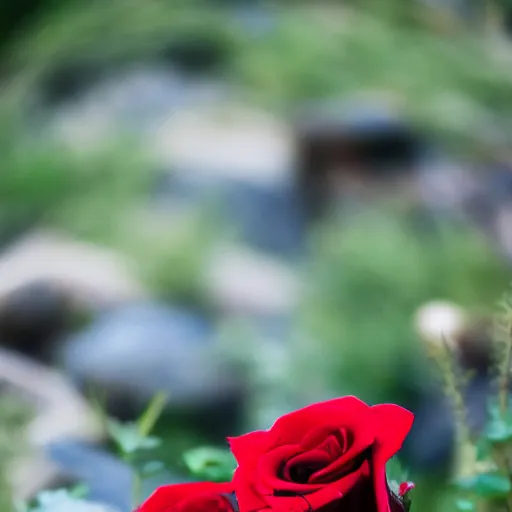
(330, 456)
(193, 497)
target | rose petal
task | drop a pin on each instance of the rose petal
(313, 461)
(319, 499)
(268, 472)
(248, 448)
(293, 427)
(363, 438)
(169, 495)
(327, 434)
(380, 486)
(392, 424)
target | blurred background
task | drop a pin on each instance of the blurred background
(249, 206)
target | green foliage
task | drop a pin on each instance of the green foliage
(211, 464)
(368, 277)
(488, 484)
(395, 475)
(127, 29)
(13, 417)
(98, 196)
(465, 505)
(132, 437)
(384, 46)
(59, 500)
(43, 182)
(460, 78)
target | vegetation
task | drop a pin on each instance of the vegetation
(367, 276)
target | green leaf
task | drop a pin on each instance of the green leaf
(483, 448)
(209, 463)
(498, 431)
(466, 483)
(395, 472)
(152, 468)
(125, 436)
(465, 505)
(151, 415)
(493, 409)
(128, 439)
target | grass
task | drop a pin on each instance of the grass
(369, 276)
(452, 80)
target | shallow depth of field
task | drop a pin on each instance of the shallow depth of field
(237, 208)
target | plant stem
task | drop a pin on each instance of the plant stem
(505, 377)
(137, 489)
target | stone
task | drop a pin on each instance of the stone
(33, 317)
(134, 352)
(59, 412)
(347, 144)
(89, 276)
(48, 281)
(227, 140)
(244, 282)
(61, 501)
(107, 478)
(242, 160)
(265, 217)
(197, 54)
(449, 187)
(136, 101)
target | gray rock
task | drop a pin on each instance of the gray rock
(133, 101)
(108, 479)
(61, 501)
(47, 281)
(90, 276)
(242, 160)
(134, 352)
(245, 282)
(58, 412)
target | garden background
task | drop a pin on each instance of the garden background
(247, 206)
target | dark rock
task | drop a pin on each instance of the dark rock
(33, 317)
(48, 282)
(355, 144)
(68, 81)
(197, 53)
(507, 21)
(132, 353)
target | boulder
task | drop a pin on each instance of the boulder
(245, 282)
(134, 352)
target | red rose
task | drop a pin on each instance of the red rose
(194, 497)
(331, 454)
